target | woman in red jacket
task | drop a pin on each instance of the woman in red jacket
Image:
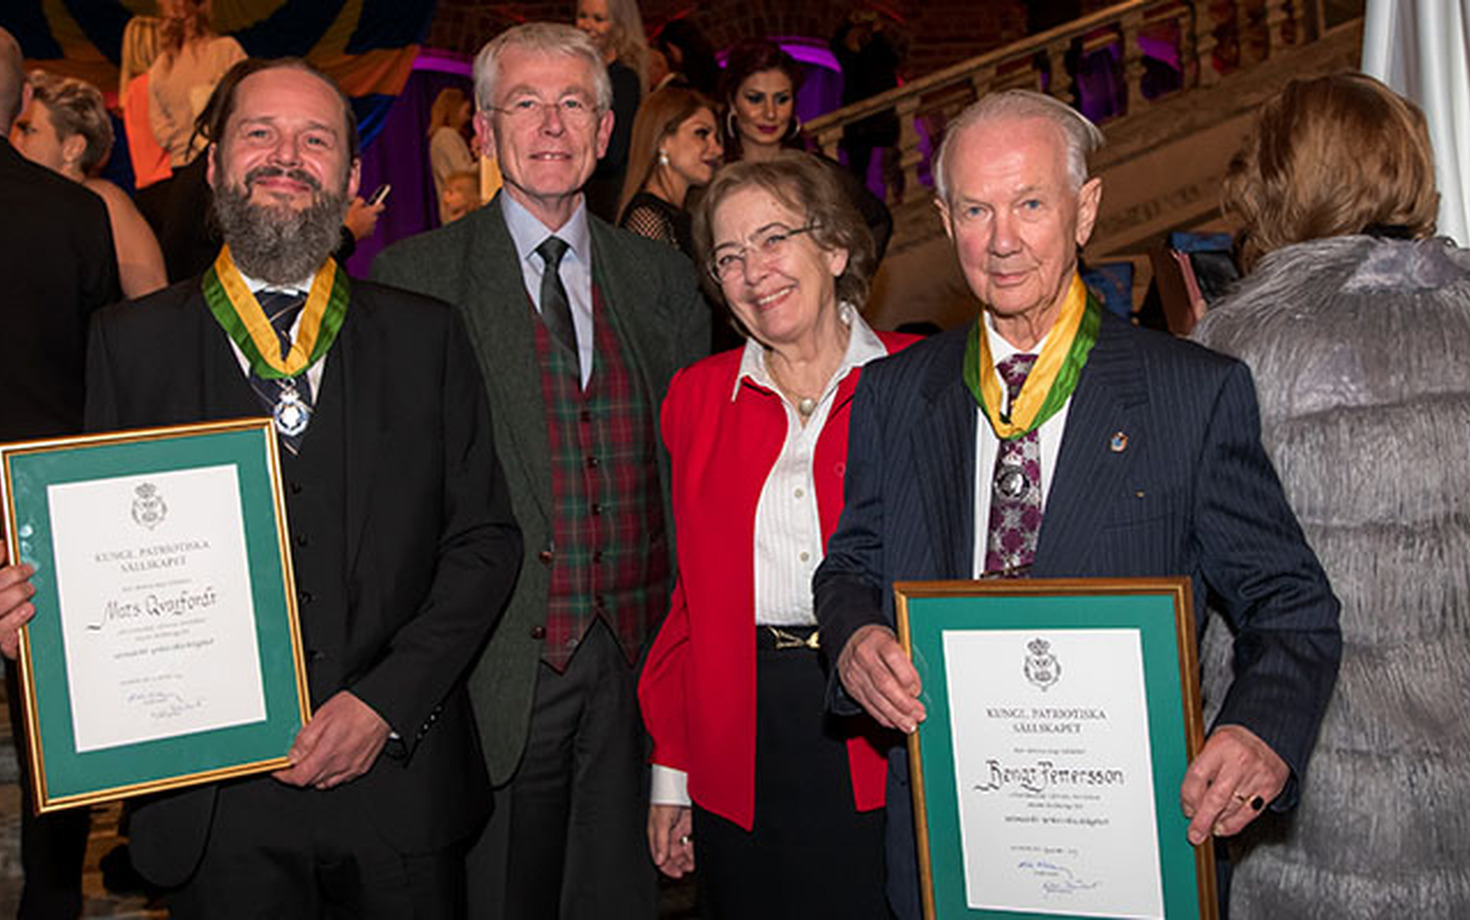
(784, 800)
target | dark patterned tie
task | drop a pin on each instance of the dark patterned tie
(281, 309)
(1015, 491)
(556, 307)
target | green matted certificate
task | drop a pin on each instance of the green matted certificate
(1062, 715)
(165, 649)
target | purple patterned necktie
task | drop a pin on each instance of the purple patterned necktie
(1015, 491)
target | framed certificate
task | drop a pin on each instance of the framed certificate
(165, 649)
(1062, 715)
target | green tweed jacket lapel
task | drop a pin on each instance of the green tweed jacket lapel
(498, 315)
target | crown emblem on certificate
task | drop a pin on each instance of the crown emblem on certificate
(1042, 667)
(149, 508)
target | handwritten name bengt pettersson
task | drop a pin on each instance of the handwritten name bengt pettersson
(1044, 774)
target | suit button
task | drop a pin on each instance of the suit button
(597, 507)
(546, 556)
(304, 597)
(295, 488)
(316, 655)
(592, 462)
(301, 539)
(538, 632)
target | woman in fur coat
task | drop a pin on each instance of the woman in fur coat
(1356, 324)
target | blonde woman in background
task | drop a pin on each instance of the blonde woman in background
(191, 60)
(676, 146)
(449, 152)
(616, 28)
(66, 129)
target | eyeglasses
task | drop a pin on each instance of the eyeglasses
(572, 110)
(728, 261)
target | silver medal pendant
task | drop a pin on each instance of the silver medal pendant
(1010, 481)
(291, 414)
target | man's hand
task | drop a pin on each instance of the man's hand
(1233, 778)
(15, 607)
(876, 672)
(362, 218)
(670, 839)
(338, 745)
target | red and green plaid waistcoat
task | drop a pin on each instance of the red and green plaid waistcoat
(609, 548)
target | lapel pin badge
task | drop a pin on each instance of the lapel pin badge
(1119, 443)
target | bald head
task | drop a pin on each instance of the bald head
(12, 81)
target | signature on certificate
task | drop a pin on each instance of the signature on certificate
(1055, 877)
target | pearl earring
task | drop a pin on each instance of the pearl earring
(663, 158)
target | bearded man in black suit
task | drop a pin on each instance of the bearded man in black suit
(404, 544)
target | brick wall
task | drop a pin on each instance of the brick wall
(936, 33)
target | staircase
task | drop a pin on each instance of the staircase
(1185, 81)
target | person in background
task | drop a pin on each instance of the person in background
(461, 195)
(869, 67)
(748, 773)
(579, 328)
(58, 266)
(66, 129)
(616, 28)
(759, 92)
(676, 147)
(449, 151)
(1355, 322)
(191, 59)
(682, 56)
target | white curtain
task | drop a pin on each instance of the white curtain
(1421, 48)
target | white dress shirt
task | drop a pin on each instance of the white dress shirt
(527, 232)
(987, 445)
(788, 528)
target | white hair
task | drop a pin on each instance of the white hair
(1082, 136)
(542, 38)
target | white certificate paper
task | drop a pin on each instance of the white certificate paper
(1053, 769)
(157, 618)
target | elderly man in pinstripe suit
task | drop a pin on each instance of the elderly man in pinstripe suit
(1049, 439)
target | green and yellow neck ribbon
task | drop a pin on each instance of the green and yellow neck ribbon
(1052, 378)
(237, 310)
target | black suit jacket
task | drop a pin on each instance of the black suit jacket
(431, 546)
(57, 267)
(1193, 493)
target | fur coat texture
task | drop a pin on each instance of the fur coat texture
(1361, 354)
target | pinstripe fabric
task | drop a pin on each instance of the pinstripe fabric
(1192, 494)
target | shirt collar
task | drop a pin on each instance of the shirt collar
(1000, 349)
(302, 287)
(863, 345)
(528, 232)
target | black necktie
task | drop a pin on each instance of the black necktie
(556, 307)
(285, 393)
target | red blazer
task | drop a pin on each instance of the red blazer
(697, 689)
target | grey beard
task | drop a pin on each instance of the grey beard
(279, 245)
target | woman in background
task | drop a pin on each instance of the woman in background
(191, 60)
(449, 152)
(759, 91)
(1356, 324)
(676, 147)
(616, 28)
(783, 801)
(66, 129)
